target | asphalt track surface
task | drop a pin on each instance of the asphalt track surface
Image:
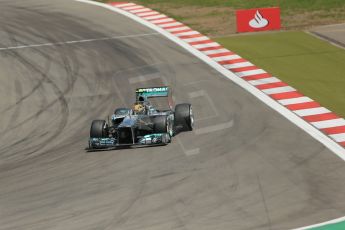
(244, 166)
(333, 33)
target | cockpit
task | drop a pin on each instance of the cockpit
(141, 106)
(119, 115)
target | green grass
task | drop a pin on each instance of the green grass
(291, 4)
(314, 67)
(295, 14)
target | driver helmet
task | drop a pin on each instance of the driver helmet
(138, 108)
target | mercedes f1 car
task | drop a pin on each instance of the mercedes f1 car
(143, 124)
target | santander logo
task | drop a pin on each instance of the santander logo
(258, 21)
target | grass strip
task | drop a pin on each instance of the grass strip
(217, 17)
(313, 66)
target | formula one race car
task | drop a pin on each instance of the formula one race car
(143, 124)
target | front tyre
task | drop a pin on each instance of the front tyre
(162, 124)
(99, 129)
(184, 118)
(166, 138)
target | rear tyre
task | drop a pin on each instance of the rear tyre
(184, 118)
(99, 129)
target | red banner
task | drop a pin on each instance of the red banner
(259, 19)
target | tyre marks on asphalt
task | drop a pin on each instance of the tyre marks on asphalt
(242, 68)
(62, 55)
(43, 80)
(159, 187)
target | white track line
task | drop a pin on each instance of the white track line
(338, 220)
(195, 94)
(307, 127)
(202, 93)
(143, 78)
(76, 41)
(192, 152)
(187, 152)
(214, 128)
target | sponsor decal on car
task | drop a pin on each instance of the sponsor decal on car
(154, 90)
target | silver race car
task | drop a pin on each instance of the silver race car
(143, 124)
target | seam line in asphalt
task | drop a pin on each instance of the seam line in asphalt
(77, 41)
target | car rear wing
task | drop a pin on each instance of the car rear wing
(162, 91)
(152, 92)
